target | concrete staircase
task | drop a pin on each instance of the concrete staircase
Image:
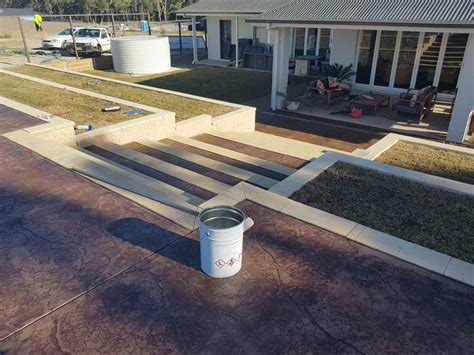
(177, 174)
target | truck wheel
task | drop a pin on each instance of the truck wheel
(63, 45)
(99, 49)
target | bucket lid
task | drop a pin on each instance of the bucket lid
(221, 217)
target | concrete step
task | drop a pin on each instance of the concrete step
(138, 183)
(282, 145)
(227, 169)
(248, 159)
(178, 172)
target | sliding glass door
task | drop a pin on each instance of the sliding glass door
(453, 58)
(406, 59)
(430, 50)
(366, 57)
(386, 52)
(410, 59)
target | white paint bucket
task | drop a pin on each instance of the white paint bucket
(221, 231)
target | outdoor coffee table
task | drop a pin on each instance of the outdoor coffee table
(378, 100)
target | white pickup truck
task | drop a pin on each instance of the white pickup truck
(90, 41)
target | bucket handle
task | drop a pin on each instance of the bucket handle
(248, 223)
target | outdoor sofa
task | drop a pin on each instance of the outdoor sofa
(326, 96)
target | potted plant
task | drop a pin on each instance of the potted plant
(340, 72)
(291, 102)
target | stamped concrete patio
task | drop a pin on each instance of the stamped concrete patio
(86, 270)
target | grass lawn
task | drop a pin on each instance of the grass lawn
(227, 84)
(430, 217)
(432, 161)
(183, 107)
(78, 108)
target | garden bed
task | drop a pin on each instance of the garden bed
(183, 107)
(443, 163)
(79, 108)
(430, 217)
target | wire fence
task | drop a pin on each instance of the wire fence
(49, 37)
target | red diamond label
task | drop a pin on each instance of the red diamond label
(220, 263)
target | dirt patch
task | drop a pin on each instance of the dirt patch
(430, 217)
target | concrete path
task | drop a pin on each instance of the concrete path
(85, 270)
(282, 145)
(11, 120)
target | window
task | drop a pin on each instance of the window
(325, 44)
(312, 41)
(366, 56)
(299, 41)
(452, 62)
(388, 40)
(429, 59)
(103, 34)
(406, 59)
(261, 34)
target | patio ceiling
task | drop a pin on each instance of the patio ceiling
(421, 13)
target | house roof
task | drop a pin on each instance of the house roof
(13, 11)
(251, 7)
(450, 13)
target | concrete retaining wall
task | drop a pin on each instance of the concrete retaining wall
(155, 127)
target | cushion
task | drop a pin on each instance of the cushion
(413, 100)
(320, 87)
(333, 84)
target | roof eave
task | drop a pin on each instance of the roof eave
(215, 13)
(360, 23)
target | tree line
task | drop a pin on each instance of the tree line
(160, 10)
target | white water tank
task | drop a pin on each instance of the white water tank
(141, 54)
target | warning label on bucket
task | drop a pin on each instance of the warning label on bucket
(220, 263)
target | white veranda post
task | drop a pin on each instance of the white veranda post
(464, 105)
(236, 41)
(281, 59)
(195, 45)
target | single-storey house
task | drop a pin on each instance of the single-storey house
(392, 45)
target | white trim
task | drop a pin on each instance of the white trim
(293, 42)
(318, 40)
(371, 27)
(375, 57)
(273, 102)
(236, 41)
(396, 57)
(195, 49)
(441, 54)
(416, 65)
(305, 48)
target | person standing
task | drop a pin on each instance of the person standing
(38, 21)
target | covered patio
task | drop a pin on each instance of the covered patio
(393, 46)
(434, 125)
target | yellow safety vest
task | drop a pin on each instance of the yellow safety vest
(38, 19)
